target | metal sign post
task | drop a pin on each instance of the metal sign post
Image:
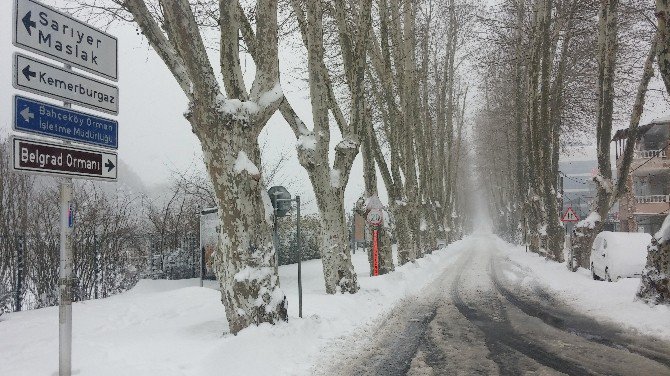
(65, 273)
(297, 235)
(56, 35)
(65, 280)
(281, 200)
(375, 218)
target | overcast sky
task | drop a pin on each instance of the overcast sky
(154, 137)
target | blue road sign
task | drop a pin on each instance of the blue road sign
(49, 120)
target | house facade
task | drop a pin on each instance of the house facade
(646, 202)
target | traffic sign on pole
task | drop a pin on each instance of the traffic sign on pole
(570, 215)
(39, 157)
(48, 32)
(375, 217)
(59, 83)
(49, 120)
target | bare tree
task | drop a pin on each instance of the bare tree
(329, 182)
(655, 285)
(227, 125)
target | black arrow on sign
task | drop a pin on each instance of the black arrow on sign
(110, 166)
(28, 73)
(28, 23)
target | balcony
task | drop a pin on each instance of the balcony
(653, 199)
(649, 161)
(652, 204)
(647, 154)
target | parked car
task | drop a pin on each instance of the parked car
(616, 255)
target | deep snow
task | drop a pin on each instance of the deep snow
(166, 328)
(176, 328)
(610, 301)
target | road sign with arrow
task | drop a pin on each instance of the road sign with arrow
(48, 32)
(52, 81)
(33, 156)
(49, 120)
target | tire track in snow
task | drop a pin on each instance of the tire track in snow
(582, 326)
(501, 338)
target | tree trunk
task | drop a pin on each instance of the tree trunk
(663, 47)
(403, 233)
(655, 283)
(607, 54)
(228, 132)
(244, 261)
(554, 245)
(338, 271)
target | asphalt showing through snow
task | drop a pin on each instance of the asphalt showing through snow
(475, 321)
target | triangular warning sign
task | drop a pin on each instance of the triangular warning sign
(570, 215)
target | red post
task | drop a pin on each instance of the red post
(375, 253)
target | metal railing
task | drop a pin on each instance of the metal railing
(647, 154)
(652, 199)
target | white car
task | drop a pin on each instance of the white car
(616, 255)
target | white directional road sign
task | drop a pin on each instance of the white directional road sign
(39, 157)
(59, 83)
(50, 33)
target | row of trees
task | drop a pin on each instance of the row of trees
(384, 72)
(557, 72)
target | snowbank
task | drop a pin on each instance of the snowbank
(177, 328)
(610, 301)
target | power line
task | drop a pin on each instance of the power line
(573, 179)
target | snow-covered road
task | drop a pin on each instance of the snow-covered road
(479, 306)
(479, 318)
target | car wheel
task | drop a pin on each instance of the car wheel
(607, 276)
(593, 274)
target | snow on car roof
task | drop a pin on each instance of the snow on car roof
(626, 241)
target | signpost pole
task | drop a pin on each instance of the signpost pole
(297, 201)
(65, 271)
(65, 280)
(275, 237)
(375, 252)
(201, 248)
(36, 76)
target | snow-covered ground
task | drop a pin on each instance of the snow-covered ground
(166, 328)
(177, 328)
(611, 301)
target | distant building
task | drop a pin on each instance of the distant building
(647, 200)
(579, 190)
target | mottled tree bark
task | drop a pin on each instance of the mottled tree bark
(228, 129)
(655, 282)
